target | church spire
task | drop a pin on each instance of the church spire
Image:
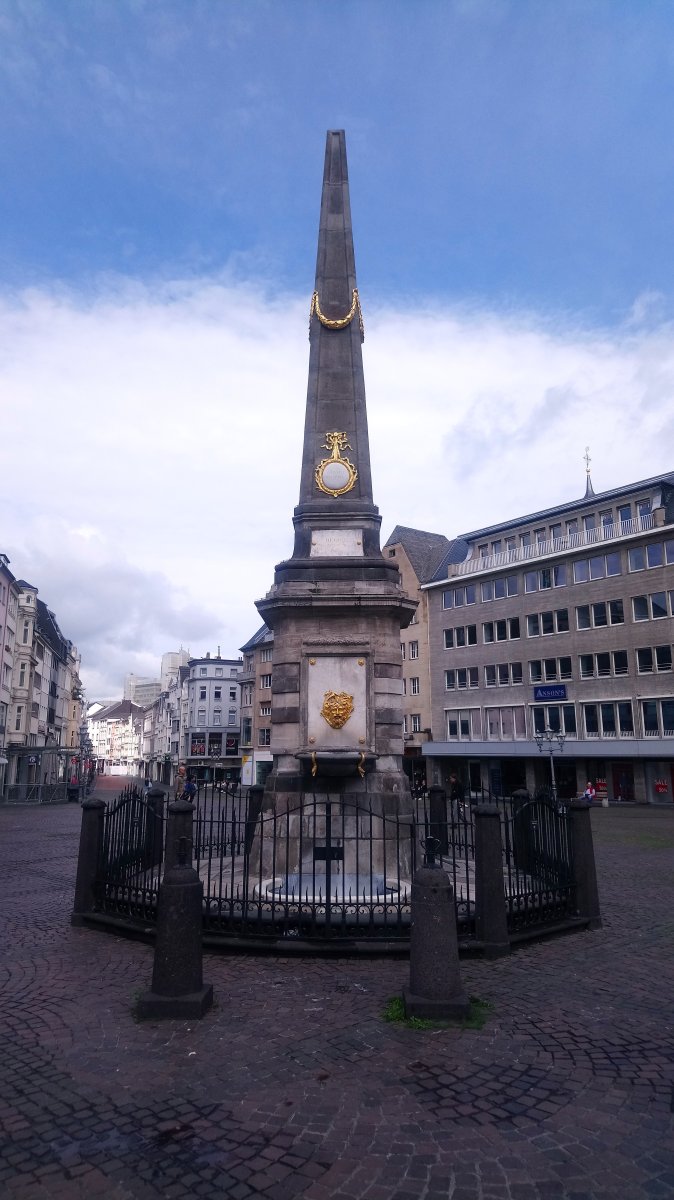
(336, 477)
(589, 490)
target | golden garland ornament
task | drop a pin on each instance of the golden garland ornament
(338, 322)
(335, 475)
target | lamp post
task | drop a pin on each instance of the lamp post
(548, 737)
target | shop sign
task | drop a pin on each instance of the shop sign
(550, 691)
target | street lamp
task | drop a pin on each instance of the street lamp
(548, 737)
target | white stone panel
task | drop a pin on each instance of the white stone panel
(336, 673)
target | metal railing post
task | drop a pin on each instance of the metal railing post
(491, 917)
(583, 864)
(88, 859)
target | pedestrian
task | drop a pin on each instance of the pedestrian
(189, 790)
(180, 781)
(456, 796)
(589, 793)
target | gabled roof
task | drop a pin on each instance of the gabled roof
(264, 634)
(424, 550)
(118, 711)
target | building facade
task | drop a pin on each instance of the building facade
(211, 731)
(256, 718)
(418, 554)
(561, 620)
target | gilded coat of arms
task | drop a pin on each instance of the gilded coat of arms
(337, 708)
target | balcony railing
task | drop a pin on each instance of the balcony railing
(562, 545)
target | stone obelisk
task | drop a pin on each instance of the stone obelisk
(337, 605)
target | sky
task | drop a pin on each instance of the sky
(511, 171)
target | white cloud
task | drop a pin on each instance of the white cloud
(151, 442)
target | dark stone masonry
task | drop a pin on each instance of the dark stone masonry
(294, 1086)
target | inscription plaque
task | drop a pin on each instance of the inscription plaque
(336, 543)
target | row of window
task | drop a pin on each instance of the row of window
(649, 659)
(217, 693)
(217, 671)
(608, 719)
(602, 613)
(554, 531)
(217, 716)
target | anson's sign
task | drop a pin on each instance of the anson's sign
(550, 691)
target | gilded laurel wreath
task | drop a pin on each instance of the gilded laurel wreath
(337, 708)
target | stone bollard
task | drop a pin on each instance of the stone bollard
(584, 869)
(88, 859)
(491, 917)
(435, 990)
(437, 813)
(179, 834)
(178, 989)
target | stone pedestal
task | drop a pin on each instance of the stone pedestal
(584, 868)
(91, 843)
(491, 918)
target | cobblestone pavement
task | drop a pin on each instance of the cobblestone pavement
(294, 1086)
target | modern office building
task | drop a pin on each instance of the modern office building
(559, 620)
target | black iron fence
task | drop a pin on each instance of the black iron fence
(326, 870)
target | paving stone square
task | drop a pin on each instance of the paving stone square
(295, 1086)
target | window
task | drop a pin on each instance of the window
(510, 544)
(247, 731)
(460, 634)
(217, 693)
(402, 649)
(540, 536)
(202, 670)
(625, 719)
(22, 675)
(525, 540)
(545, 579)
(201, 715)
(613, 566)
(644, 507)
(663, 658)
(533, 626)
(572, 528)
(616, 612)
(555, 531)
(19, 717)
(487, 590)
(463, 724)
(218, 672)
(620, 662)
(503, 674)
(447, 598)
(669, 551)
(606, 519)
(217, 716)
(586, 666)
(535, 670)
(658, 605)
(599, 614)
(624, 513)
(590, 522)
(547, 623)
(231, 716)
(26, 631)
(496, 546)
(559, 575)
(550, 668)
(644, 660)
(265, 681)
(232, 694)
(202, 693)
(581, 571)
(265, 654)
(264, 737)
(414, 685)
(516, 672)
(416, 722)
(483, 550)
(531, 581)
(636, 558)
(414, 649)
(490, 676)
(449, 638)
(504, 724)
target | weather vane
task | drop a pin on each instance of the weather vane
(588, 460)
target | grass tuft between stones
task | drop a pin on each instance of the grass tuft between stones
(394, 1013)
